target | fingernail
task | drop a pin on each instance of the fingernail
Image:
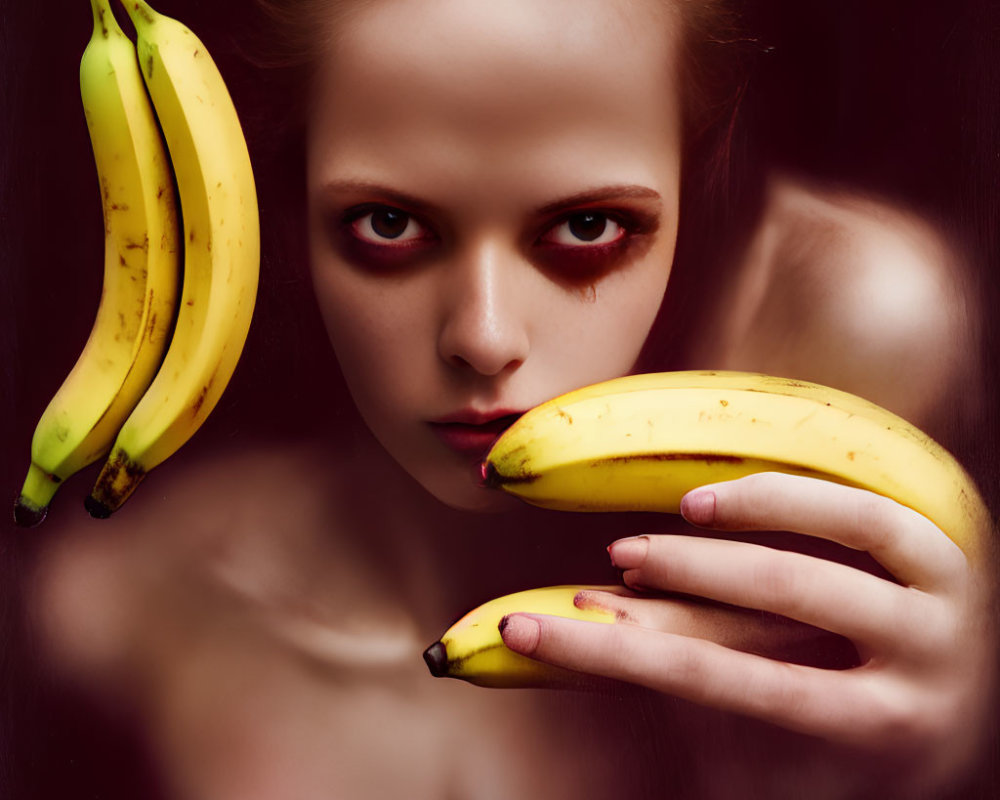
(698, 507)
(520, 633)
(628, 553)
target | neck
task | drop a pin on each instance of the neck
(445, 561)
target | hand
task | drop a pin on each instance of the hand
(922, 629)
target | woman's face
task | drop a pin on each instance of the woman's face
(493, 195)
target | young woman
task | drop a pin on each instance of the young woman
(499, 200)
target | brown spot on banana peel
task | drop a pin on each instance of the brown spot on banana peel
(117, 481)
(200, 399)
(144, 12)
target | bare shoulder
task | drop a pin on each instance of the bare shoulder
(223, 540)
(852, 290)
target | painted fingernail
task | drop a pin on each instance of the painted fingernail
(629, 553)
(520, 633)
(698, 507)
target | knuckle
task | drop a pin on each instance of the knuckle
(910, 718)
(876, 521)
(774, 578)
(737, 501)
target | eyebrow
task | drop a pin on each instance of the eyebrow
(409, 201)
(602, 194)
(392, 195)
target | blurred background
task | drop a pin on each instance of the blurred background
(898, 97)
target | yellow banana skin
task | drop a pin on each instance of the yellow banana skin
(221, 239)
(641, 442)
(141, 272)
(473, 651)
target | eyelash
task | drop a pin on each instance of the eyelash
(576, 260)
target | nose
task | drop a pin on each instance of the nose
(484, 325)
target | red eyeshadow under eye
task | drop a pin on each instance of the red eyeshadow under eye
(365, 255)
(586, 262)
(380, 258)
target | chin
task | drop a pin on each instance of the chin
(466, 495)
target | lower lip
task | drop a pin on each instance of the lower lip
(470, 441)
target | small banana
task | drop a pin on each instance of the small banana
(141, 272)
(641, 442)
(218, 200)
(473, 651)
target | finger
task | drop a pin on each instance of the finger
(736, 628)
(906, 543)
(872, 612)
(845, 705)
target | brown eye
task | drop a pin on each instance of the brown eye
(385, 226)
(389, 223)
(587, 227)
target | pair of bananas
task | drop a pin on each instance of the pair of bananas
(176, 304)
(641, 442)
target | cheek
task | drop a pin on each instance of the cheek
(629, 309)
(600, 333)
(372, 332)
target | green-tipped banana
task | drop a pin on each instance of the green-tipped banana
(472, 649)
(641, 442)
(221, 252)
(141, 272)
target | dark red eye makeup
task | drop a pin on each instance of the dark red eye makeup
(370, 236)
(583, 261)
(577, 244)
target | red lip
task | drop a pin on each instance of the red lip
(469, 416)
(471, 433)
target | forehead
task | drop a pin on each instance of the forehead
(518, 32)
(481, 53)
(510, 72)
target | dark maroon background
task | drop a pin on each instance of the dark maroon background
(897, 95)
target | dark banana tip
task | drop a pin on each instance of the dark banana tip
(436, 657)
(96, 508)
(27, 516)
(491, 478)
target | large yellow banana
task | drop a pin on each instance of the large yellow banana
(141, 272)
(642, 442)
(472, 649)
(221, 252)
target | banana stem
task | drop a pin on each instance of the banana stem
(104, 18)
(140, 12)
